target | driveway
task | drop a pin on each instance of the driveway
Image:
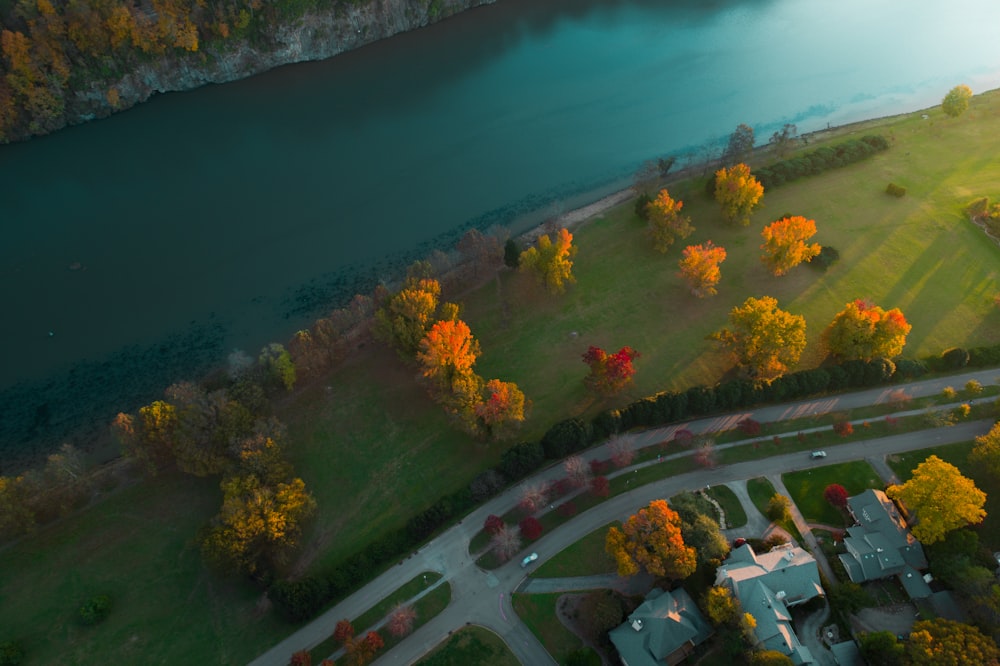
(483, 598)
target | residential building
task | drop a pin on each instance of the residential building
(664, 630)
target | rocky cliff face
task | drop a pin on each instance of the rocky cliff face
(311, 37)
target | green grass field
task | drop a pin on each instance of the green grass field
(538, 612)
(374, 450)
(471, 646)
(583, 558)
(806, 489)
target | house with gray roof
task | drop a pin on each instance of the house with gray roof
(665, 629)
(767, 585)
(879, 544)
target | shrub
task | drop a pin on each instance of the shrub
(641, 203)
(599, 486)
(827, 257)
(520, 460)
(973, 387)
(954, 358)
(493, 524)
(962, 411)
(95, 610)
(486, 485)
(843, 428)
(949, 393)
(566, 509)
(895, 190)
(11, 653)
(564, 438)
(908, 369)
(749, 427)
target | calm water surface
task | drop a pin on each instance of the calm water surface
(223, 216)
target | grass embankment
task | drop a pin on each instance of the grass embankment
(374, 450)
(538, 612)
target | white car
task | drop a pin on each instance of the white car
(529, 559)
(818, 454)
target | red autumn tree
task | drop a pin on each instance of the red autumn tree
(609, 373)
(343, 632)
(699, 267)
(785, 244)
(836, 495)
(843, 428)
(666, 224)
(864, 331)
(493, 524)
(600, 487)
(531, 529)
(301, 658)
(738, 193)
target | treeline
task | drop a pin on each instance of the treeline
(54, 52)
(303, 598)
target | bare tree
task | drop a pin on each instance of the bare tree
(622, 452)
(706, 455)
(577, 471)
(401, 620)
(533, 497)
(506, 542)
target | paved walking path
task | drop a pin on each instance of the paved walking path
(483, 598)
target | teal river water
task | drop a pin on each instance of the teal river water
(222, 217)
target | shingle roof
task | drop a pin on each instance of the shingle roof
(666, 621)
(880, 544)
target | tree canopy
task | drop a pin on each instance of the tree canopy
(940, 498)
(738, 193)
(764, 339)
(609, 373)
(863, 330)
(405, 317)
(785, 244)
(666, 223)
(699, 267)
(986, 452)
(551, 262)
(956, 102)
(940, 641)
(651, 540)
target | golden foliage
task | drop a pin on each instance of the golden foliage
(651, 540)
(785, 243)
(738, 193)
(666, 224)
(940, 498)
(551, 262)
(763, 338)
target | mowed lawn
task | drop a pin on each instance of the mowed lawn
(374, 450)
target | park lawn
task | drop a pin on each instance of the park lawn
(139, 548)
(806, 489)
(538, 612)
(761, 491)
(471, 646)
(958, 455)
(583, 558)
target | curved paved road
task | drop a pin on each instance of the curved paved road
(483, 598)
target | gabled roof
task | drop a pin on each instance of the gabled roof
(663, 624)
(766, 585)
(880, 545)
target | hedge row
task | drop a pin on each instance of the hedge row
(302, 599)
(820, 160)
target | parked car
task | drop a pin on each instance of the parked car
(529, 559)
(818, 454)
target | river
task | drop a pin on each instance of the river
(144, 247)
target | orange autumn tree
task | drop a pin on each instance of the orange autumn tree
(651, 541)
(738, 193)
(551, 261)
(666, 224)
(446, 356)
(865, 331)
(699, 267)
(785, 244)
(502, 410)
(405, 317)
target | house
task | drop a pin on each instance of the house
(767, 585)
(879, 544)
(663, 630)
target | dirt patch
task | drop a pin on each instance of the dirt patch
(898, 619)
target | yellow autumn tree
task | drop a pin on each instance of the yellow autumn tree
(940, 499)
(551, 261)
(738, 193)
(651, 541)
(666, 224)
(763, 338)
(699, 267)
(405, 317)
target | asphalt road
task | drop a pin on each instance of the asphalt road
(483, 598)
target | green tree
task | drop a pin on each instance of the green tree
(940, 641)
(651, 540)
(986, 453)
(770, 658)
(703, 534)
(738, 193)
(763, 338)
(956, 102)
(940, 498)
(779, 508)
(782, 141)
(551, 262)
(276, 364)
(665, 221)
(881, 648)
